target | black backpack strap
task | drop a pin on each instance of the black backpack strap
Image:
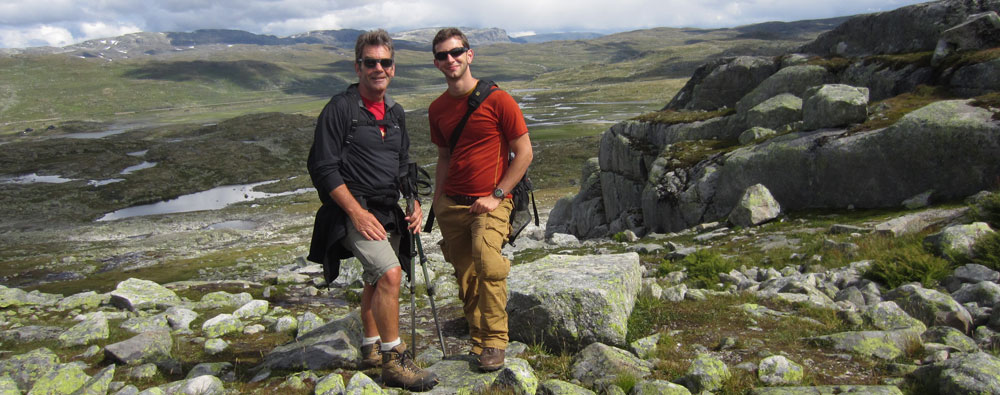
(483, 90)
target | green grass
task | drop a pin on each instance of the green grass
(905, 259)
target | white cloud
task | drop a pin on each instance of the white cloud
(37, 36)
(101, 29)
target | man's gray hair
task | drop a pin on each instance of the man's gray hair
(373, 38)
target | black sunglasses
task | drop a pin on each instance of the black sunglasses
(370, 63)
(454, 52)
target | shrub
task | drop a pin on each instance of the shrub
(986, 251)
(908, 263)
(987, 210)
(704, 266)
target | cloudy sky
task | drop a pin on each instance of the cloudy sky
(25, 23)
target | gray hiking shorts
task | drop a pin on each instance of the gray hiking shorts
(376, 256)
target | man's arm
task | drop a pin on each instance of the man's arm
(363, 221)
(521, 147)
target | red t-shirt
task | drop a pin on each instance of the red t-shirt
(481, 156)
(377, 109)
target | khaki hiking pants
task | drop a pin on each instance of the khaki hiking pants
(472, 243)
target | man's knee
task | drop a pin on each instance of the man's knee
(391, 279)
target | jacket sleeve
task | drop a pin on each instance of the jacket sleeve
(404, 151)
(325, 156)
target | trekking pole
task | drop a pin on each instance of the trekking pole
(413, 288)
(430, 292)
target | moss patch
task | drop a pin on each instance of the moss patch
(672, 117)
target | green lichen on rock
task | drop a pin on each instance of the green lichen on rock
(27, 368)
(707, 373)
(90, 330)
(62, 381)
(886, 345)
(221, 325)
(330, 384)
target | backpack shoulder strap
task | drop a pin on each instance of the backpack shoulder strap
(483, 90)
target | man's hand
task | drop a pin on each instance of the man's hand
(415, 218)
(368, 225)
(484, 204)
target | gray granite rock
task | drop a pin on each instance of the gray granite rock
(142, 348)
(600, 361)
(136, 294)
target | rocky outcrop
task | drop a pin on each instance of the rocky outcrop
(722, 82)
(914, 28)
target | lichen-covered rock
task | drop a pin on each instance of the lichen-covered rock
(136, 294)
(829, 390)
(85, 300)
(757, 206)
(957, 241)
(778, 370)
(286, 323)
(720, 83)
(138, 325)
(776, 112)
(834, 105)
(970, 274)
(794, 80)
(222, 370)
(27, 368)
(977, 373)
(976, 79)
(754, 134)
(99, 383)
(88, 331)
(658, 387)
(984, 294)
(307, 322)
(568, 302)
(518, 378)
(331, 384)
(201, 385)
(950, 337)
(458, 374)
(254, 308)
(180, 318)
(8, 386)
(331, 346)
(221, 325)
(600, 361)
(559, 387)
(645, 347)
(888, 316)
(143, 348)
(31, 333)
(143, 372)
(979, 31)
(931, 307)
(886, 345)
(361, 384)
(13, 297)
(707, 373)
(223, 299)
(215, 346)
(63, 380)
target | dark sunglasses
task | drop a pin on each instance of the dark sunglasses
(370, 63)
(454, 52)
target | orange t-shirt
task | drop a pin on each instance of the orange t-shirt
(481, 156)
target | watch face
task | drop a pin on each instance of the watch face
(498, 193)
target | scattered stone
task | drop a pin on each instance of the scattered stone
(886, 345)
(830, 390)
(86, 300)
(252, 309)
(970, 274)
(599, 361)
(135, 294)
(307, 322)
(63, 380)
(955, 242)
(977, 373)
(142, 348)
(215, 346)
(331, 346)
(950, 337)
(834, 105)
(658, 387)
(144, 371)
(27, 368)
(286, 324)
(222, 370)
(222, 299)
(180, 318)
(221, 325)
(86, 332)
(253, 329)
(778, 370)
(706, 373)
(138, 325)
(331, 384)
(518, 378)
(201, 385)
(776, 112)
(559, 387)
(916, 222)
(757, 206)
(931, 307)
(984, 294)
(31, 333)
(645, 347)
(100, 383)
(360, 383)
(889, 316)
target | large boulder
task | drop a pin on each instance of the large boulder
(756, 207)
(146, 347)
(88, 331)
(776, 112)
(977, 373)
(567, 302)
(885, 345)
(26, 369)
(834, 105)
(720, 83)
(975, 79)
(137, 294)
(885, 78)
(957, 240)
(794, 80)
(931, 307)
(334, 345)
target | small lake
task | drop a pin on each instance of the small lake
(34, 179)
(212, 199)
(143, 165)
(91, 135)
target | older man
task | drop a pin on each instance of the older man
(359, 151)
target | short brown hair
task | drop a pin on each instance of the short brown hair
(447, 33)
(373, 38)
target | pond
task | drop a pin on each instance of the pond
(212, 199)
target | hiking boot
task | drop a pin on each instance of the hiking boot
(371, 356)
(398, 370)
(491, 359)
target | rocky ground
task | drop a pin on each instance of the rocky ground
(255, 317)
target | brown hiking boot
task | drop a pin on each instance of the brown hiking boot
(371, 356)
(398, 370)
(491, 359)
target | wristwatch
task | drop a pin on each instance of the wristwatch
(499, 193)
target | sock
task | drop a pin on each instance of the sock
(386, 346)
(369, 341)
